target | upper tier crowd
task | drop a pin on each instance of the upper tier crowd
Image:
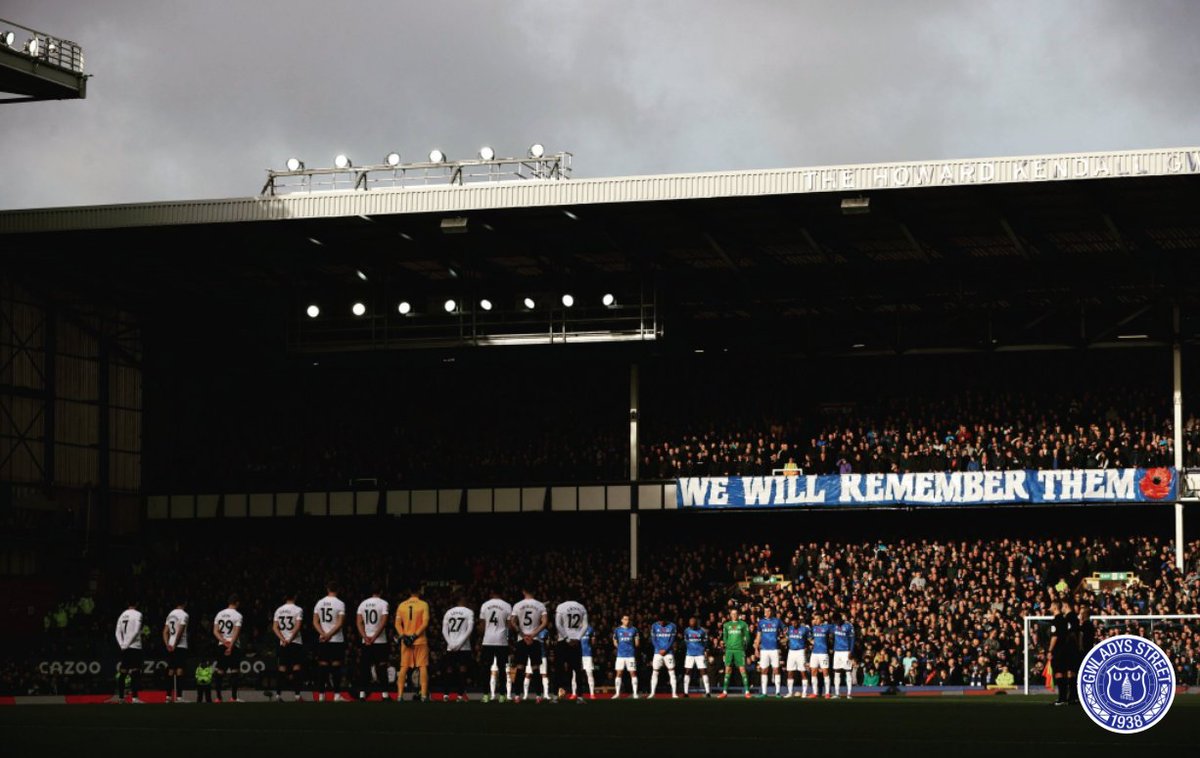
(334, 448)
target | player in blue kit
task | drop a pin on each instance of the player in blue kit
(843, 654)
(663, 635)
(798, 636)
(819, 661)
(589, 667)
(625, 640)
(695, 638)
(766, 647)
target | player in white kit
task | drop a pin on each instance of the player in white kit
(571, 623)
(329, 616)
(175, 639)
(372, 621)
(286, 624)
(493, 619)
(457, 625)
(227, 628)
(129, 641)
(528, 618)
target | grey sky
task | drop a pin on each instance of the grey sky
(195, 99)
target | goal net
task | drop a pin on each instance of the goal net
(1176, 634)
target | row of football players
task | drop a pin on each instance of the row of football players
(808, 647)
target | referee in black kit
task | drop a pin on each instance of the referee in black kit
(1064, 646)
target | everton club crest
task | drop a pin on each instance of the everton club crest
(1126, 684)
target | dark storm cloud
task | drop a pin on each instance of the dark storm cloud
(195, 99)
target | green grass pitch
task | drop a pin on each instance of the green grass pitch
(1009, 726)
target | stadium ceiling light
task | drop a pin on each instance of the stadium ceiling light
(536, 150)
(485, 304)
(571, 215)
(405, 308)
(437, 156)
(393, 159)
(295, 164)
(529, 304)
(852, 205)
(568, 300)
(359, 273)
(858, 345)
(608, 299)
(1133, 336)
(7, 39)
(358, 309)
(33, 46)
(342, 161)
(487, 153)
(450, 305)
(313, 311)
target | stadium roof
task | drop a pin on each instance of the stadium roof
(1059, 250)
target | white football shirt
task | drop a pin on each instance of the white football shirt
(129, 629)
(329, 610)
(494, 617)
(374, 612)
(177, 630)
(289, 617)
(226, 622)
(529, 615)
(457, 625)
(570, 618)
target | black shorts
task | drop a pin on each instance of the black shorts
(1064, 660)
(177, 658)
(230, 662)
(331, 652)
(457, 659)
(290, 655)
(495, 655)
(132, 659)
(528, 652)
(375, 654)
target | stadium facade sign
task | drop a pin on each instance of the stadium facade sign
(999, 171)
(935, 488)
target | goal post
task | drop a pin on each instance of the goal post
(1107, 625)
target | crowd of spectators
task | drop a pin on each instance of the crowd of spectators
(516, 422)
(928, 612)
(966, 432)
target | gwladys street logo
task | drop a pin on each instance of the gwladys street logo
(1126, 684)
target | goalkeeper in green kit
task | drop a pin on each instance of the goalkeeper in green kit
(735, 633)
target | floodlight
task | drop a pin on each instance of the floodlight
(485, 304)
(529, 304)
(450, 305)
(437, 156)
(313, 311)
(536, 150)
(294, 164)
(51, 47)
(342, 161)
(33, 46)
(568, 300)
(405, 308)
(609, 300)
(360, 274)
(7, 39)
(487, 153)
(358, 309)
(393, 159)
